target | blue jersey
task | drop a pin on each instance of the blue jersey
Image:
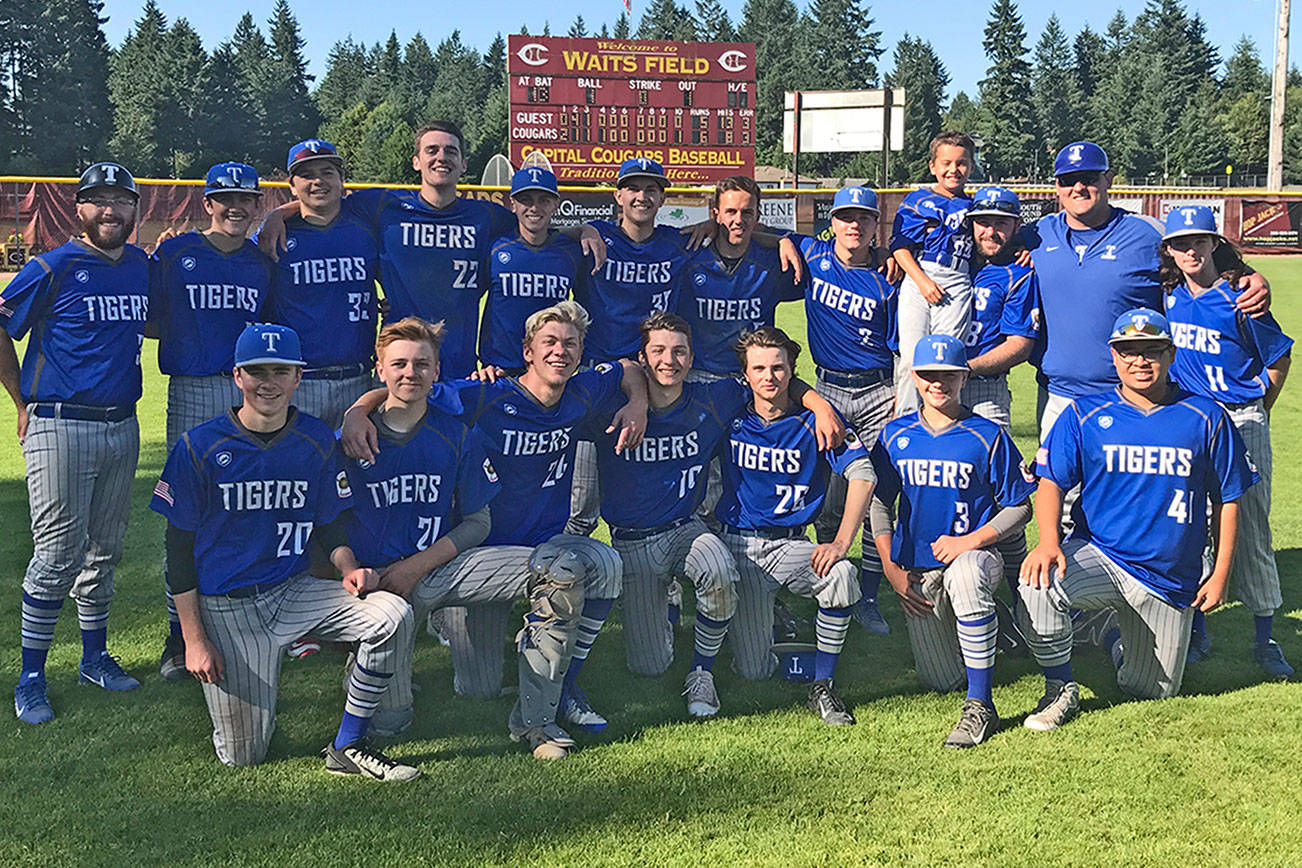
(1088, 278)
(637, 280)
(935, 228)
(948, 483)
(86, 314)
(851, 311)
(720, 305)
(1221, 352)
(523, 279)
(434, 262)
(1145, 478)
(1005, 303)
(773, 473)
(252, 505)
(532, 447)
(201, 298)
(662, 480)
(421, 484)
(325, 289)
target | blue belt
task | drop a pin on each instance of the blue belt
(628, 534)
(83, 412)
(855, 379)
(336, 372)
(767, 532)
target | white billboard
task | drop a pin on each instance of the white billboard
(843, 120)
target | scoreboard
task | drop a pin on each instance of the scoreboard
(590, 104)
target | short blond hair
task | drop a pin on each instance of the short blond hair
(567, 311)
(411, 328)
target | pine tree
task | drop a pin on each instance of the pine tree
(712, 22)
(1007, 114)
(963, 114)
(623, 27)
(223, 111)
(842, 47)
(417, 76)
(1089, 56)
(347, 74)
(495, 62)
(1055, 95)
(134, 88)
(18, 65)
(1111, 112)
(603, 32)
(182, 100)
(773, 25)
(67, 101)
(919, 71)
(665, 19)
(1202, 145)
(578, 30)
(1244, 73)
(254, 75)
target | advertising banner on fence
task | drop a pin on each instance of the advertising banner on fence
(1270, 224)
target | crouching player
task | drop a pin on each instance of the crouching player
(961, 490)
(244, 495)
(774, 481)
(1148, 457)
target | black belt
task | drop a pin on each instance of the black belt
(985, 377)
(628, 534)
(767, 532)
(82, 412)
(336, 372)
(855, 379)
(246, 591)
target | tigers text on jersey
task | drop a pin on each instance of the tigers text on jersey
(935, 227)
(636, 280)
(719, 306)
(532, 447)
(86, 314)
(773, 473)
(523, 279)
(1221, 352)
(1145, 481)
(663, 479)
(251, 504)
(434, 262)
(420, 485)
(325, 289)
(1005, 302)
(948, 482)
(1088, 278)
(201, 298)
(851, 311)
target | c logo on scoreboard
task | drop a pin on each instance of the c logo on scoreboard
(534, 54)
(733, 61)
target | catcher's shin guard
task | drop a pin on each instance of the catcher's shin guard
(547, 639)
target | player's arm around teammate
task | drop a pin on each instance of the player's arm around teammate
(1148, 457)
(961, 489)
(244, 495)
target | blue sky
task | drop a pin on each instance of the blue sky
(958, 41)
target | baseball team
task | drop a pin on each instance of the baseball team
(353, 450)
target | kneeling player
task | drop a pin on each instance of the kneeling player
(1148, 457)
(773, 486)
(243, 494)
(960, 486)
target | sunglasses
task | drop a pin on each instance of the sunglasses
(1071, 179)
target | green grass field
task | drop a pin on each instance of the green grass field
(131, 778)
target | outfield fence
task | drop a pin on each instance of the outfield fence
(37, 214)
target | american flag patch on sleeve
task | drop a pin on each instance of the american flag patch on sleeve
(164, 491)
(1042, 457)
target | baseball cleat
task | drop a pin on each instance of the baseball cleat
(31, 705)
(1060, 703)
(1200, 647)
(360, 759)
(977, 722)
(541, 745)
(870, 617)
(575, 709)
(702, 699)
(172, 664)
(1010, 639)
(303, 647)
(104, 671)
(1270, 657)
(823, 699)
(515, 726)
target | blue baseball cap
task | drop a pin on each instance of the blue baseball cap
(940, 353)
(995, 202)
(266, 344)
(534, 178)
(1140, 324)
(855, 197)
(232, 178)
(1080, 157)
(311, 149)
(641, 167)
(1190, 220)
(795, 660)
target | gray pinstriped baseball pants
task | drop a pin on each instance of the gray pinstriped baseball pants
(1254, 576)
(964, 589)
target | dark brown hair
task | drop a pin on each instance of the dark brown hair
(1229, 265)
(767, 336)
(663, 321)
(736, 182)
(441, 127)
(955, 138)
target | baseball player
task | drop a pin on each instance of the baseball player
(658, 534)
(1148, 457)
(932, 243)
(531, 424)
(204, 288)
(85, 305)
(774, 480)
(850, 309)
(245, 495)
(1222, 354)
(527, 271)
(961, 489)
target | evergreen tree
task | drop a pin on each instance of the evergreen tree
(1055, 95)
(417, 78)
(712, 22)
(603, 32)
(223, 109)
(842, 45)
(1201, 146)
(623, 27)
(1247, 130)
(18, 64)
(181, 106)
(1007, 114)
(1244, 73)
(919, 71)
(665, 19)
(135, 82)
(495, 63)
(253, 70)
(1089, 55)
(773, 26)
(347, 73)
(67, 101)
(387, 61)
(578, 30)
(1111, 111)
